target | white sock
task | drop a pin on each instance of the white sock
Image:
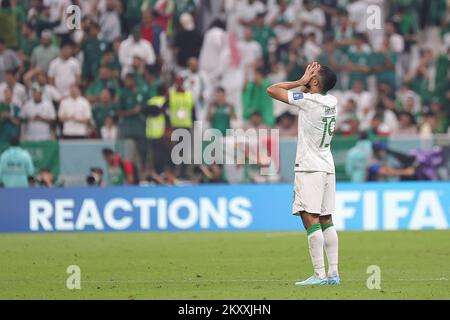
(332, 249)
(315, 242)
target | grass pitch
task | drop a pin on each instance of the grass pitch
(258, 265)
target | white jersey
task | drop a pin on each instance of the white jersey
(316, 124)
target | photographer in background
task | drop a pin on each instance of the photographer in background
(120, 172)
(95, 178)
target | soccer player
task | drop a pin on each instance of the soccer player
(315, 181)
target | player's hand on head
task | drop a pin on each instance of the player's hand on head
(311, 71)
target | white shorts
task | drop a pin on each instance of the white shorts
(315, 193)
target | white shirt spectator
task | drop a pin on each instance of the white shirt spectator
(50, 93)
(129, 48)
(110, 25)
(284, 34)
(309, 21)
(251, 52)
(19, 94)
(109, 134)
(78, 109)
(65, 73)
(38, 130)
(389, 125)
(214, 43)
(364, 102)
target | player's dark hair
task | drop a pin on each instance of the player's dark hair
(327, 79)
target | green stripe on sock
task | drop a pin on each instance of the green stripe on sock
(325, 227)
(313, 228)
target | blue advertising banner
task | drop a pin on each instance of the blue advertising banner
(393, 206)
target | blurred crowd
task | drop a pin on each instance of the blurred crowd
(139, 69)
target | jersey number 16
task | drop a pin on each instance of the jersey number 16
(328, 131)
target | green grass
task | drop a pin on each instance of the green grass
(414, 265)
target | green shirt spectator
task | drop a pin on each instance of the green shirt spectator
(256, 99)
(220, 113)
(263, 34)
(93, 48)
(133, 13)
(132, 125)
(105, 108)
(9, 118)
(383, 64)
(45, 53)
(359, 64)
(27, 42)
(103, 81)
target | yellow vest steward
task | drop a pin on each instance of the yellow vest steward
(156, 126)
(180, 107)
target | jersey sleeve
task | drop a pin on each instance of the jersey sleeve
(297, 98)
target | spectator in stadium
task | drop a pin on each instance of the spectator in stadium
(38, 116)
(363, 99)
(265, 36)
(10, 60)
(129, 109)
(10, 117)
(131, 120)
(65, 70)
(357, 160)
(422, 74)
(15, 176)
(251, 53)
(120, 172)
(220, 113)
(45, 53)
(92, 47)
(181, 106)
(312, 18)
(109, 131)
(133, 46)
(104, 80)
(282, 17)
(18, 90)
(75, 115)
(359, 61)
(103, 109)
(27, 42)
(109, 21)
(152, 81)
(214, 42)
(255, 99)
(188, 41)
(155, 111)
(441, 116)
(407, 126)
(49, 92)
(151, 31)
(287, 125)
(429, 125)
(197, 83)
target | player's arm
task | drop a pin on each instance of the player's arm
(280, 91)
